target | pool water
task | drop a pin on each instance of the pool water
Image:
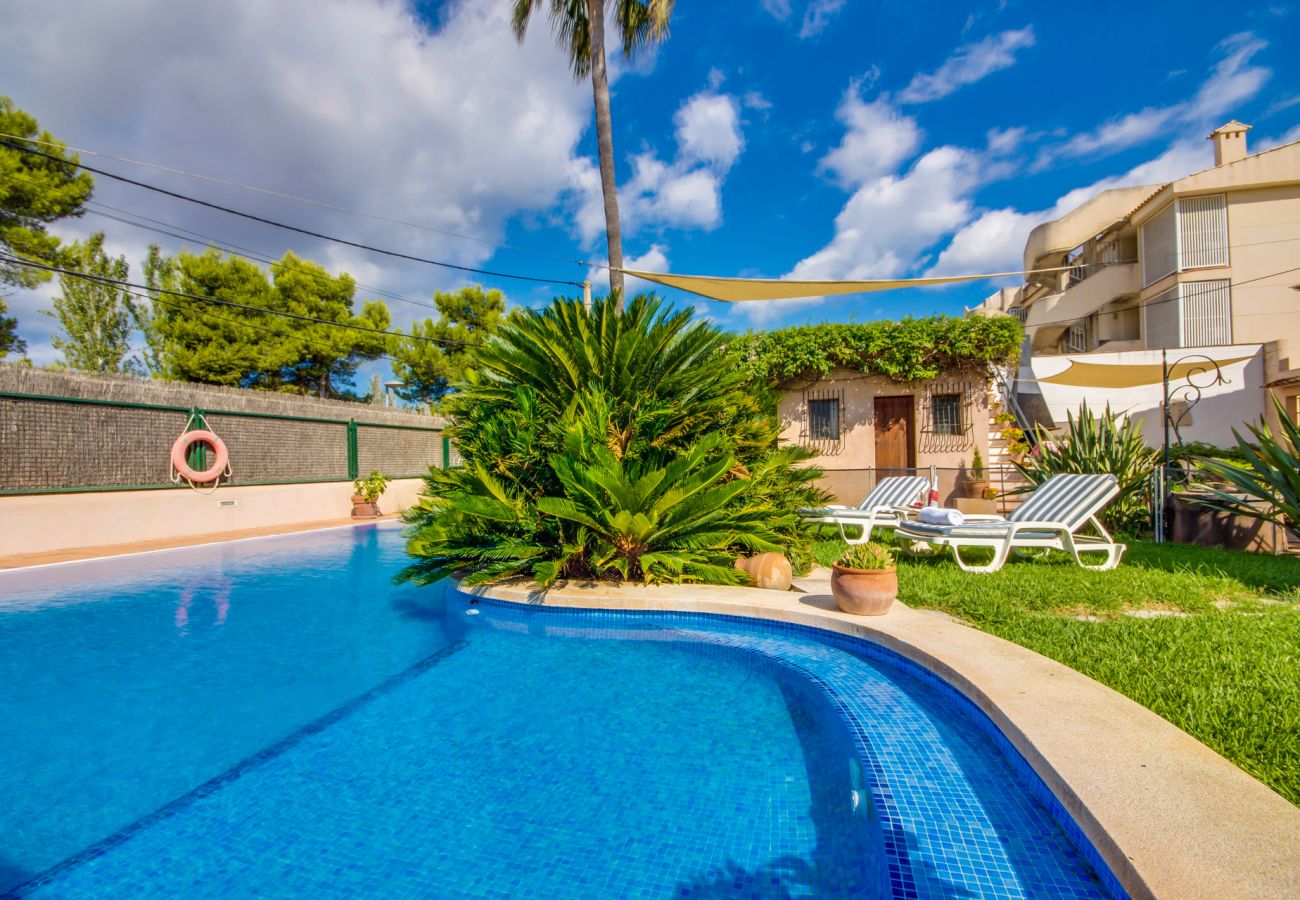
(274, 718)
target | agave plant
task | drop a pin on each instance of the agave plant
(1098, 444)
(1270, 488)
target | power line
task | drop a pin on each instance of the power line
(294, 228)
(256, 309)
(319, 203)
(231, 248)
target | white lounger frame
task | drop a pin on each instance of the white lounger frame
(1003, 539)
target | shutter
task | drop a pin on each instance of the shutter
(1203, 231)
(1206, 313)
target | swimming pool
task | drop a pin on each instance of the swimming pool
(275, 718)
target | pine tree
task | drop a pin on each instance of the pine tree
(467, 317)
(94, 317)
(34, 191)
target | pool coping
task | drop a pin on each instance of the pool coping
(1168, 815)
(26, 561)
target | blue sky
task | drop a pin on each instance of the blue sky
(776, 138)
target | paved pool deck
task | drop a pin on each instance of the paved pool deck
(1171, 817)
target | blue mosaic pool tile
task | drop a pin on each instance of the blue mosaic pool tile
(420, 788)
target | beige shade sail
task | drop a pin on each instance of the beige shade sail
(736, 290)
(1103, 375)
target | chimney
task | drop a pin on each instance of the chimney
(1229, 142)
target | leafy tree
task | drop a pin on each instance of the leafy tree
(211, 345)
(600, 444)
(467, 318)
(94, 317)
(10, 342)
(34, 191)
(326, 357)
(159, 272)
(191, 341)
(579, 27)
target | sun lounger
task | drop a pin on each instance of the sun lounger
(884, 507)
(1050, 517)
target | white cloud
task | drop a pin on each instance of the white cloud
(995, 240)
(876, 140)
(1232, 80)
(412, 126)
(1125, 131)
(654, 259)
(756, 101)
(777, 9)
(968, 65)
(891, 219)
(708, 129)
(817, 16)
(683, 193)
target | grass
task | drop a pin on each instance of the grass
(1225, 669)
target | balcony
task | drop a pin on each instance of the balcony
(1051, 316)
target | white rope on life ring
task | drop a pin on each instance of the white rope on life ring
(180, 459)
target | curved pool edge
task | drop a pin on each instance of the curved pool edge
(1168, 816)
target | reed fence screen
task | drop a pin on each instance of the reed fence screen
(52, 443)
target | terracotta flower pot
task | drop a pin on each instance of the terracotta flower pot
(864, 592)
(364, 509)
(973, 488)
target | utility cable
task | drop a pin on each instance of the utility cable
(294, 228)
(213, 300)
(248, 253)
(319, 203)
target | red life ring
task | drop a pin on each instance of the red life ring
(181, 452)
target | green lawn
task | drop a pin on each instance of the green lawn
(1226, 672)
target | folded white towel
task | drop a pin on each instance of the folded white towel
(937, 515)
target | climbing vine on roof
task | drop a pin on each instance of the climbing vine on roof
(907, 350)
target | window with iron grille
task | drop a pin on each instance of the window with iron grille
(824, 419)
(945, 411)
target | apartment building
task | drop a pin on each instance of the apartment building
(1207, 266)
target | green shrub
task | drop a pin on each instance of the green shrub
(1271, 474)
(1099, 444)
(372, 487)
(867, 556)
(599, 445)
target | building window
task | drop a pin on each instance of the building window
(1202, 232)
(1191, 314)
(1159, 242)
(945, 413)
(824, 420)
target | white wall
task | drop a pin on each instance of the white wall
(41, 523)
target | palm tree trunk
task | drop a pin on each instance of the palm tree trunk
(605, 144)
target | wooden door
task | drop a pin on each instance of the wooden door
(895, 436)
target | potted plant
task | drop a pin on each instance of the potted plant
(365, 502)
(1013, 436)
(975, 482)
(865, 580)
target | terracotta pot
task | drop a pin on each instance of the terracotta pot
(973, 488)
(864, 592)
(767, 570)
(364, 509)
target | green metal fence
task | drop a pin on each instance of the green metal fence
(53, 444)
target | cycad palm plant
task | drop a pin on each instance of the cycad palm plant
(600, 445)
